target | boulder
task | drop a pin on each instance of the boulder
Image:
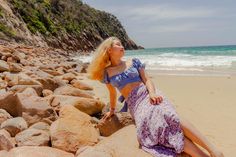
(4, 115)
(48, 83)
(8, 103)
(113, 124)
(14, 67)
(41, 126)
(122, 143)
(19, 79)
(68, 90)
(34, 109)
(72, 130)
(18, 55)
(14, 125)
(80, 85)
(68, 76)
(21, 88)
(6, 142)
(47, 92)
(4, 66)
(53, 72)
(11, 60)
(37, 151)
(87, 105)
(32, 137)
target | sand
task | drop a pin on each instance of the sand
(208, 102)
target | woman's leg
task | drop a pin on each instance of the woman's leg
(191, 149)
(193, 134)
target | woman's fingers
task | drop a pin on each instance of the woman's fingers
(105, 117)
(161, 98)
(153, 100)
(156, 100)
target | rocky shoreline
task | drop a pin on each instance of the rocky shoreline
(47, 109)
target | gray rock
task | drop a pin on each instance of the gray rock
(14, 125)
(32, 137)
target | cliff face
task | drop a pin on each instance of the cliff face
(66, 24)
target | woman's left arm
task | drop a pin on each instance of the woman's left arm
(155, 99)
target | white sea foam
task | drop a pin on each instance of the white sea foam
(184, 60)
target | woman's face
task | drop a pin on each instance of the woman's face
(117, 49)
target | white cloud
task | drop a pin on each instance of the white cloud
(173, 28)
(174, 23)
(163, 12)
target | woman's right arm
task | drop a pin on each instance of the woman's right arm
(113, 97)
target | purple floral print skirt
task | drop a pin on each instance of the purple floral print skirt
(158, 126)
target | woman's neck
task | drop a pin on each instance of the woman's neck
(116, 62)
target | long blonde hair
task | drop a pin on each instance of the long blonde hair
(101, 59)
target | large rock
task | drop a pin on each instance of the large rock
(20, 79)
(37, 72)
(4, 66)
(34, 109)
(6, 142)
(14, 67)
(3, 84)
(72, 91)
(53, 72)
(21, 88)
(14, 125)
(47, 92)
(87, 105)
(4, 115)
(73, 130)
(41, 126)
(123, 143)
(11, 60)
(68, 76)
(32, 137)
(48, 83)
(10, 78)
(8, 103)
(24, 79)
(116, 122)
(18, 55)
(80, 85)
(36, 151)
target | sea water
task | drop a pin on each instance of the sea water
(201, 60)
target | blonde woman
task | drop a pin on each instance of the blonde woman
(159, 129)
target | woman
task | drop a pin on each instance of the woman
(159, 129)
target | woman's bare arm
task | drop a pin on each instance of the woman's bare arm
(155, 99)
(147, 81)
(113, 95)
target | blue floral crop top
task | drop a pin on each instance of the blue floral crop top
(129, 75)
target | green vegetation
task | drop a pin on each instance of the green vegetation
(7, 31)
(1, 13)
(54, 17)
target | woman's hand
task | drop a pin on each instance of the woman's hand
(155, 99)
(108, 115)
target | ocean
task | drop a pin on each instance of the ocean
(200, 60)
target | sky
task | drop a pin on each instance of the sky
(174, 23)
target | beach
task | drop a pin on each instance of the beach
(208, 102)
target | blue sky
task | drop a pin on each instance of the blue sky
(174, 23)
